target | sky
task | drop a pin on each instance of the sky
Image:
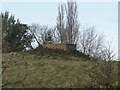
(103, 15)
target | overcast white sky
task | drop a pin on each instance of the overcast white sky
(103, 15)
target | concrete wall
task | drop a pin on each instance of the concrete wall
(65, 47)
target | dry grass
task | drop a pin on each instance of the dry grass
(46, 70)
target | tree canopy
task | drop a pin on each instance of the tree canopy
(15, 35)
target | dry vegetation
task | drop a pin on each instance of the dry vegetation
(51, 69)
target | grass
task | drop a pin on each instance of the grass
(48, 69)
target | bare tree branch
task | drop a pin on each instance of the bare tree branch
(19, 81)
(7, 64)
(69, 27)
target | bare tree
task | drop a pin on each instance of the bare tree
(68, 29)
(56, 35)
(61, 23)
(104, 72)
(72, 25)
(90, 42)
(42, 34)
(33, 28)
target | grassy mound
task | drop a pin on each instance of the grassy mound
(46, 68)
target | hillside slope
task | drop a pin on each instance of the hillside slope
(41, 68)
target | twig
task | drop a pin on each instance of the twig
(7, 64)
(16, 81)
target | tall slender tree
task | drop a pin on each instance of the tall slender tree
(72, 25)
(69, 27)
(61, 23)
